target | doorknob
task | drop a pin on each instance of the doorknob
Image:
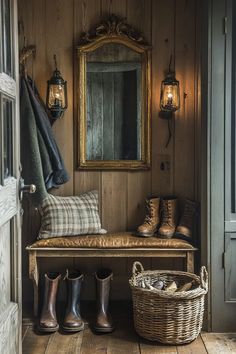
(26, 188)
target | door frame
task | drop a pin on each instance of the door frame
(216, 114)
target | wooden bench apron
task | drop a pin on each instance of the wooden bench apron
(123, 244)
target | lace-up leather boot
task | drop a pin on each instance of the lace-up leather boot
(103, 322)
(186, 224)
(48, 319)
(169, 214)
(152, 219)
(72, 321)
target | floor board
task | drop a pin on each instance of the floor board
(123, 340)
(35, 343)
(220, 343)
(60, 343)
(196, 347)
(156, 348)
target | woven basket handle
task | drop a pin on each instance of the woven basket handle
(204, 278)
(137, 268)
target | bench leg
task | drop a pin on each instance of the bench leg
(190, 262)
(34, 276)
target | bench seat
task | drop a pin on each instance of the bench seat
(115, 240)
(122, 244)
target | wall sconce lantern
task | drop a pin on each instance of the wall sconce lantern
(170, 97)
(56, 94)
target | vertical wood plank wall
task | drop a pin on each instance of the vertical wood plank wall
(54, 26)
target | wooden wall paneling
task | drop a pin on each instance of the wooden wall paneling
(116, 7)
(139, 15)
(114, 183)
(184, 179)
(163, 41)
(40, 71)
(114, 191)
(114, 198)
(163, 34)
(198, 104)
(59, 41)
(55, 27)
(87, 13)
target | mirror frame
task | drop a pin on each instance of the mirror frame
(114, 30)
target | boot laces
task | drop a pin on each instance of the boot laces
(150, 213)
(167, 213)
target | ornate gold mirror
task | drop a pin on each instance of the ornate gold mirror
(114, 98)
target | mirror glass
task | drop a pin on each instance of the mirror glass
(113, 103)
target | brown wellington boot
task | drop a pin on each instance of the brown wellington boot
(48, 319)
(72, 321)
(187, 220)
(103, 322)
(152, 218)
(169, 213)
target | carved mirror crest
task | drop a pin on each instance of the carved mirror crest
(114, 95)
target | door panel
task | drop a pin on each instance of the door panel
(9, 342)
(7, 37)
(10, 230)
(230, 267)
(8, 199)
(5, 267)
(7, 116)
(221, 216)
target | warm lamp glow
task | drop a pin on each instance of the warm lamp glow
(170, 97)
(56, 94)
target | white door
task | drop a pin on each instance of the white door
(10, 235)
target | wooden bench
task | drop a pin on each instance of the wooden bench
(124, 244)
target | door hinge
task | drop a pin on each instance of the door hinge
(225, 25)
(223, 260)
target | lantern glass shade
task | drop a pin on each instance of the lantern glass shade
(57, 95)
(170, 96)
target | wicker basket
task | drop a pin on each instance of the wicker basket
(164, 316)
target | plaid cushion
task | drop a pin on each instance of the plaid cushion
(68, 216)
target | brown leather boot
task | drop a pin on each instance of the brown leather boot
(152, 219)
(169, 214)
(103, 322)
(48, 319)
(186, 224)
(72, 321)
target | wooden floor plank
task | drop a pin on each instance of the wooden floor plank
(62, 343)
(222, 343)
(123, 340)
(196, 347)
(156, 348)
(92, 344)
(35, 343)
